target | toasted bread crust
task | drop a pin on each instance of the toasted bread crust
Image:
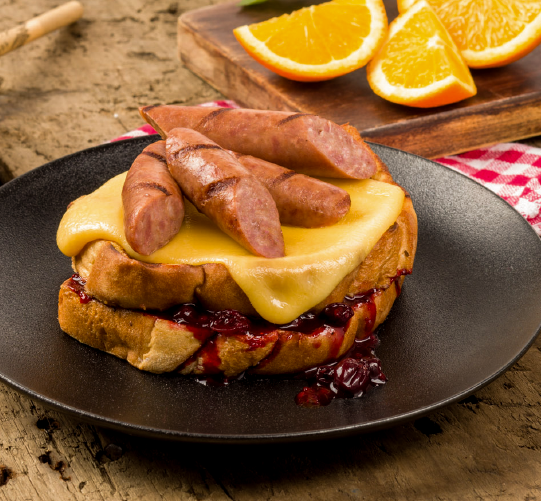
(158, 345)
(118, 280)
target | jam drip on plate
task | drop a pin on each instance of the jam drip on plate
(351, 377)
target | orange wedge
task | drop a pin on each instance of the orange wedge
(489, 33)
(419, 64)
(318, 42)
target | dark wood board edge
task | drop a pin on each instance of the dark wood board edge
(451, 132)
(518, 117)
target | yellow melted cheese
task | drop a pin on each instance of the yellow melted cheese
(280, 289)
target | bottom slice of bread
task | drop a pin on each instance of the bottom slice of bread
(157, 344)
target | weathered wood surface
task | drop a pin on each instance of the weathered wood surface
(81, 86)
(486, 447)
(507, 106)
(60, 94)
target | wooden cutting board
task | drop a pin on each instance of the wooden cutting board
(507, 106)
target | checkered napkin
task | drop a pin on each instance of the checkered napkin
(511, 170)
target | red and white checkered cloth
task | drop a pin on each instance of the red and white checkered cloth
(511, 170)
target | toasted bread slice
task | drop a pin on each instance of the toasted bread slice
(156, 344)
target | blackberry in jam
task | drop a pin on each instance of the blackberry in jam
(229, 322)
(338, 314)
(350, 377)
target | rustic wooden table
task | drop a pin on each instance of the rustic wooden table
(81, 86)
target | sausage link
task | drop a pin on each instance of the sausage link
(305, 143)
(217, 184)
(152, 201)
(301, 200)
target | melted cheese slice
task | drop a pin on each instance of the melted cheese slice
(280, 289)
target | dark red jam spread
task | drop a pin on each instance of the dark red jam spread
(349, 376)
(77, 284)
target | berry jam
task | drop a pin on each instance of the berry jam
(77, 284)
(350, 376)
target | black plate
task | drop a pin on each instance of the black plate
(471, 308)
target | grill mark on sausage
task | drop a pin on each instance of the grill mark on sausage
(157, 156)
(153, 186)
(218, 186)
(291, 117)
(211, 116)
(283, 177)
(148, 108)
(195, 147)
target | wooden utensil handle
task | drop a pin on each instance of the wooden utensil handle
(41, 25)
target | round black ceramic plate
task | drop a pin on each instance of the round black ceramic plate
(470, 309)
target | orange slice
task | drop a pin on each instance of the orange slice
(489, 33)
(318, 42)
(419, 64)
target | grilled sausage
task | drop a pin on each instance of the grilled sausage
(301, 200)
(305, 143)
(152, 201)
(216, 183)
